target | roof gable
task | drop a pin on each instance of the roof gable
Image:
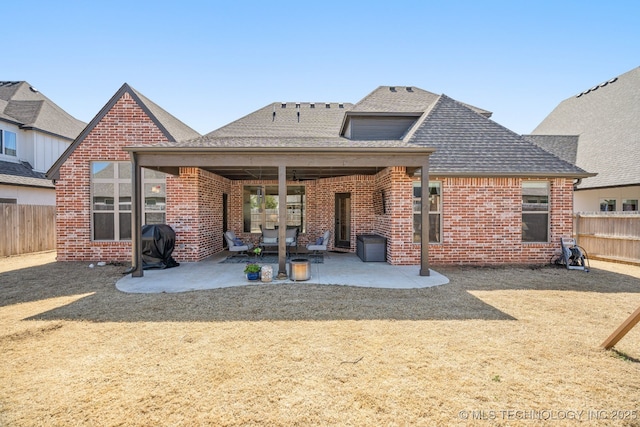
(172, 128)
(469, 143)
(606, 118)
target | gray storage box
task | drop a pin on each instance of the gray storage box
(371, 248)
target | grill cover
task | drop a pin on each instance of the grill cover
(158, 241)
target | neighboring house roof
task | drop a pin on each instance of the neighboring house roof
(172, 128)
(23, 105)
(606, 117)
(22, 174)
(563, 146)
(468, 143)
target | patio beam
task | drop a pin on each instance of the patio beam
(424, 214)
(282, 222)
(291, 160)
(136, 218)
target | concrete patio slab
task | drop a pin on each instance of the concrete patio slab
(338, 269)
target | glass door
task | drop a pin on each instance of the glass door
(343, 220)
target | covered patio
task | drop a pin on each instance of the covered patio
(281, 163)
(344, 269)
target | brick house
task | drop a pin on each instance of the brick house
(404, 163)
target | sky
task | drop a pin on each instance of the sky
(209, 63)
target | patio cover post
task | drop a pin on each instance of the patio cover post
(136, 218)
(282, 222)
(424, 213)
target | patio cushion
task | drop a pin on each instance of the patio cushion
(319, 240)
(238, 242)
(268, 233)
(270, 240)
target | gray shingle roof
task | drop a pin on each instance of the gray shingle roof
(607, 118)
(401, 99)
(469, 143)
(466, 141)
(178, 130)
(20, 103)
(312, 122)
(563, 146)
(22, 174)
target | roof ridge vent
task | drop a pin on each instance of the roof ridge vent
(603, 84)
(409, 89)
(327, 105)
(284, 105)
(392, 88)
(312, 105)
(341, 105)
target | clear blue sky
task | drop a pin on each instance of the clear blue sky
(209, 63)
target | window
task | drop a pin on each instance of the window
(155, 196)
(8, 144)
(435, 212)
(9, 201)
(111, 199)
(607, 205)
(535, 211)
(629, 204)
(260, 206)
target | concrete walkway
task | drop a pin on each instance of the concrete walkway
(337, 269)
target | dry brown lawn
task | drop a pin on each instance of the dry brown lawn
(496, 345)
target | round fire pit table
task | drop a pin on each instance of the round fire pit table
(299, 269)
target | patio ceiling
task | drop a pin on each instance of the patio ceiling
(303, 173)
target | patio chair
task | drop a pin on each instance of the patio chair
(236, 245)
(269, 240)
(291, 238)
(320, 245)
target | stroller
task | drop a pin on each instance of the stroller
(573, 256)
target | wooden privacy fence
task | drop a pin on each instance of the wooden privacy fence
(612, 236)
(26, 229)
